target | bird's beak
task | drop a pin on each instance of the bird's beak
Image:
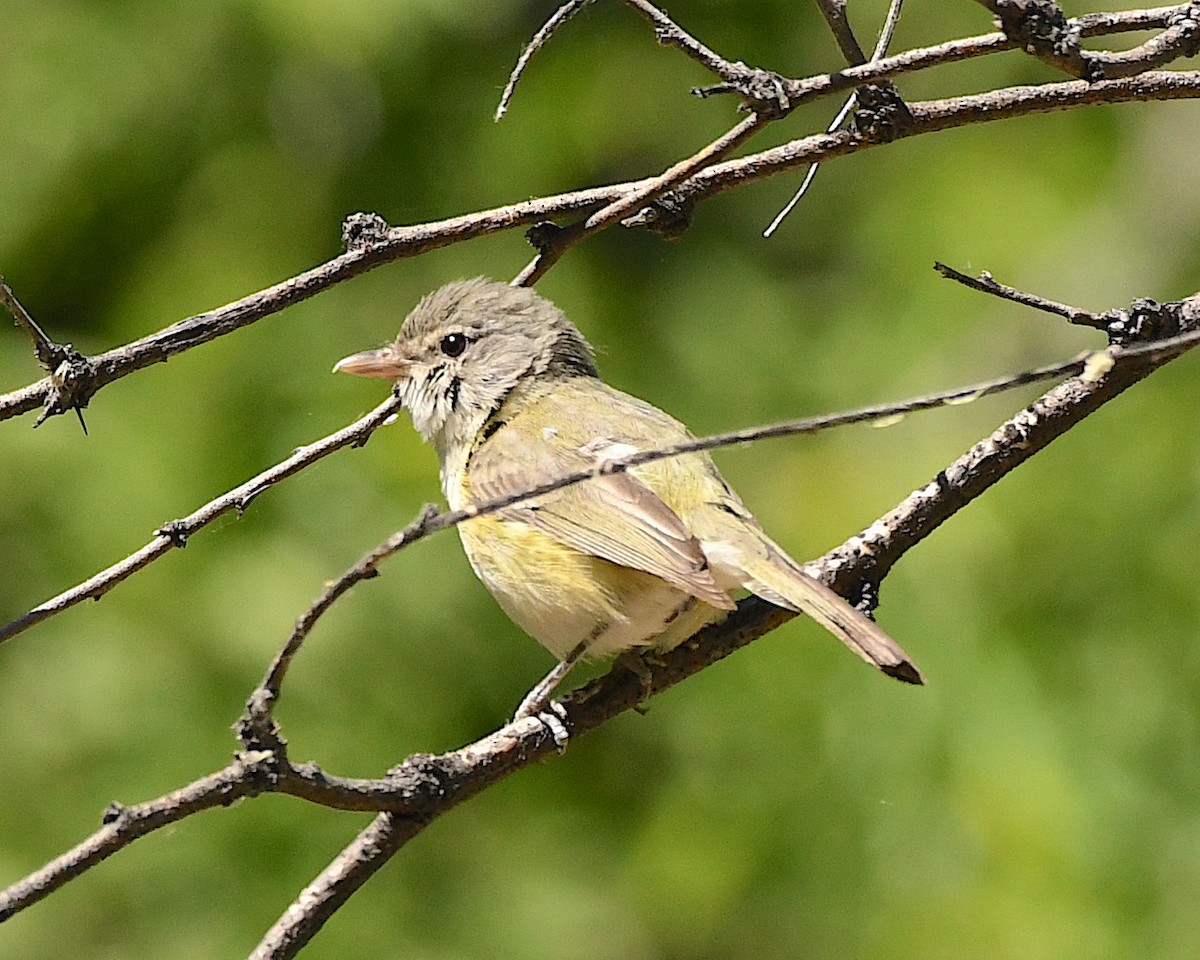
(384, 363)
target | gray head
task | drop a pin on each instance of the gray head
(465, 347)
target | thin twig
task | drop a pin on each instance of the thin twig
(798, 91)
(45, 349)
(986, 284)
(881, 46)
(1125, 21)
(400, 242)
(669, 33)
(650, 191)
(834, 12)
(559, 17)
(264, 697)
(177, 532)
(431, 520)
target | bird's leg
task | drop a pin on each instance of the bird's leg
(538, 698)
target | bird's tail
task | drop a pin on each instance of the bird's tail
(778, 579)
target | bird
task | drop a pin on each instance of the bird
(507, 391)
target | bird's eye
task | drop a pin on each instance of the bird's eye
(453, 344)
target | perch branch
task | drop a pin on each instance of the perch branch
(423, 787)
(870, 554)
(256, 728)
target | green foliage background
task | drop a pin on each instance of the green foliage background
(1040, 798)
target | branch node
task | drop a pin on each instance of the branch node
(256, 729)
(176, 531)
(546, 236)
(881, 115)
(264, 768)
(763, 92)
(72, 383)
(669, 216)
(362, 231)
(1145, 319)
(113, 812)
(423, 775)
(1041, 28)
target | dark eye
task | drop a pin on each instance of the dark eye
(453, 344)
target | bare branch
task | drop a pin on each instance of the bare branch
(555, 243)
(834, 12)
(244, 777)
(930, 116)
(881, 47)
(669, 33)
(255, 726)
(176, 533)
(384, 245)
(45, 349)
(540, 39)
(986, 284)
(1043, 30)
(1123, 21)
(371, 849)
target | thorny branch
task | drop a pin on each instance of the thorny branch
(372, 243)
(423, 787)
(176, 533)
(1142, 338)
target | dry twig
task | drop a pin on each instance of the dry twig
(1142, 339)
(424, 787)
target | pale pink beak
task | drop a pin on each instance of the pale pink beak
(383, 363)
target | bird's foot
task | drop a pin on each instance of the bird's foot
(551, 720)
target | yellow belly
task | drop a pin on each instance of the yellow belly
(561, 597)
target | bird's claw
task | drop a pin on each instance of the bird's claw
(551, 719)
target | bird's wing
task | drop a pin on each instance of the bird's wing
(616, 517)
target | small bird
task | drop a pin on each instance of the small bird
(507, 391)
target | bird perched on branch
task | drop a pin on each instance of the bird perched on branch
(506, 389)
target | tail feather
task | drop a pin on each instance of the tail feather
(779, 580)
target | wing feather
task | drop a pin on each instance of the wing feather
(617, 517)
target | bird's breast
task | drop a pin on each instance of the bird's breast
(562, 597)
